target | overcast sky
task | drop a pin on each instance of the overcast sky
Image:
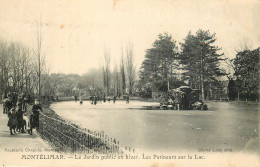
(75, 33)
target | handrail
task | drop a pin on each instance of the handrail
(96, 138)
(74, 127)
(67, 137)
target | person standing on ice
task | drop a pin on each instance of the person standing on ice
(81, 98)
(127, 99)
(114, 99)
(76, 98)
(95, 100)
(104, 98)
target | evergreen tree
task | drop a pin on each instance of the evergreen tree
(155, 71)
(200, 61)
(247, 73)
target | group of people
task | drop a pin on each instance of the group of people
(94, 99)
(19, 118)
(14, 99)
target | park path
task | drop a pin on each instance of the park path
(22, 142)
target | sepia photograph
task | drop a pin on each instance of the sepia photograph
(151, 83)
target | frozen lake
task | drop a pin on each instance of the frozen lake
(225, 125)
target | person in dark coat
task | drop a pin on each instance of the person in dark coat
(20, 125)
(7, 105)
(34, 121)
(36, 105)
(127, 99)
(12, 122)
(91, 99)
(76, 98)
(114, 99)
(104, 98)
(34, 117)
(95, 100)
(81, 98)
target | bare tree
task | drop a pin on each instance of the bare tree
(122, 71)
(106, 71)
(38, 52)
(116, 81)
(19, 69)
(130, 68)
(4, 65)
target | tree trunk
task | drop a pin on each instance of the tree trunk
(210, 91)
(202, 88)
(202, 77)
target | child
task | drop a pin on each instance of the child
(12, 122)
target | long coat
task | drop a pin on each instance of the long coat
(12, 122)
(7, 104)
(20, 117)
(34, 119)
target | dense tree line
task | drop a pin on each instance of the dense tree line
(245, 85)
(198, 61)
(18, 69)
(105, 80)
(24, 69)
(21, 70)
(195, 62)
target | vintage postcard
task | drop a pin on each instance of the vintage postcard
(156, 83)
